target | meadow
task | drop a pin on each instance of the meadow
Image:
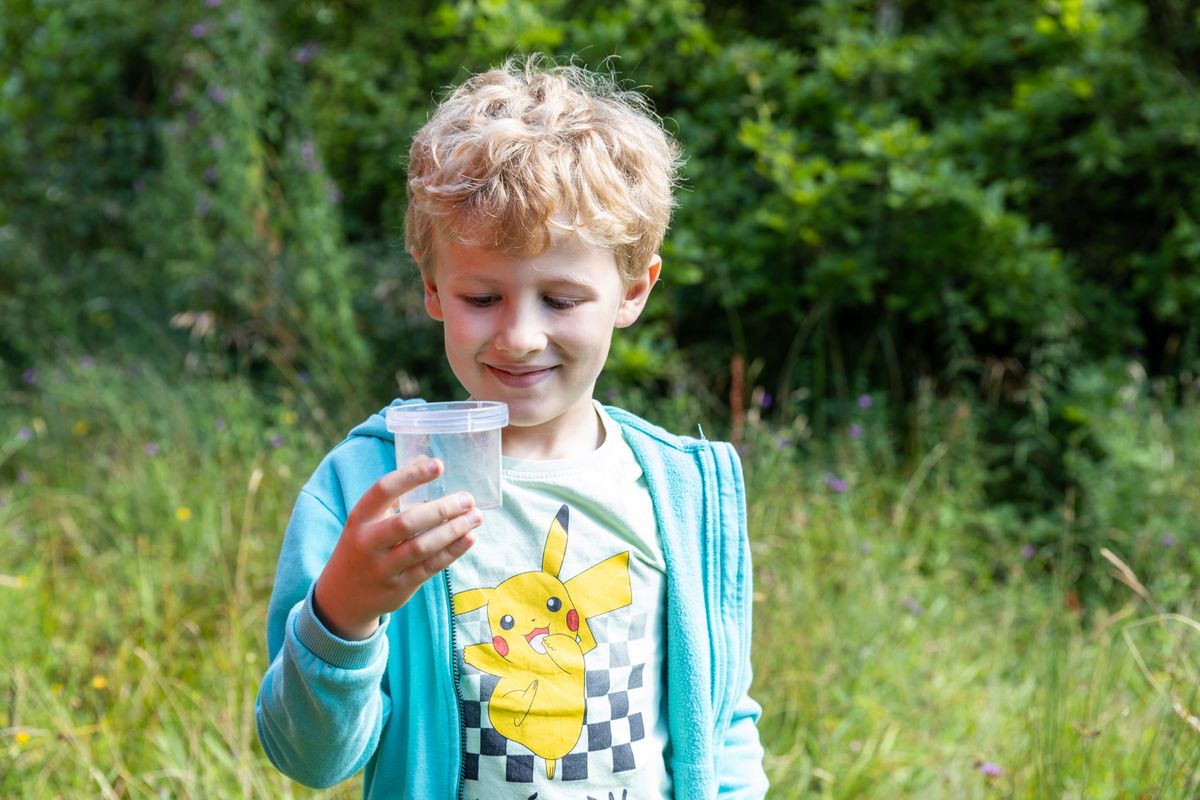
(907, 644)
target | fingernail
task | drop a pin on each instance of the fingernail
(464, 500)
(430, 467)
(475, 517)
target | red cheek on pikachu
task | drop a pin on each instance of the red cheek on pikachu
(500, 645)
(573, 620)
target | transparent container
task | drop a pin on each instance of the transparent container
(463, 435)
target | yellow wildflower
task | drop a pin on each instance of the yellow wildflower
(99, 682)
(290, 418)
(23, 737)
(82, 427)
(183, 513)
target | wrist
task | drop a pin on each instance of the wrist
(341, 624)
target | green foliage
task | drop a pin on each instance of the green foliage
(73, 142)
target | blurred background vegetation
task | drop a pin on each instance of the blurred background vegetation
(943, 241)
(990, 200)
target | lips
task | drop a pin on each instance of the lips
(520, 377)
(537, 639)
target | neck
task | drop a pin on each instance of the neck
(557, 439)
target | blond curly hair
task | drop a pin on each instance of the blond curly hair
(531, 150)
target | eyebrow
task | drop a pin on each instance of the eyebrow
(486, 279)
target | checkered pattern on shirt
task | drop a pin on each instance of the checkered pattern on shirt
(612, 725)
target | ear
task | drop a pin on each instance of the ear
(471, 600)
(433, 301)
(637, 293)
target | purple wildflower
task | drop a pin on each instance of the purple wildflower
(139, 186)
(835, 483)
(305, 377)
(308, 152)
(25, 433)
(334, 193)
(134, 371)
(766, 401)
(219, 425)
(783, 442)
(203, 206)
(867, 549)
(913, 607)
(24, 477)
(200, 31)
(856, 431)
(276, 441)
(210, 175)
(1168, 539)
(991, 769)
(217, 94)
(305, 53)
(212, 3)
(865, 401)
(216, 143)
(1028, 551)
(30, 377)
(151, 448)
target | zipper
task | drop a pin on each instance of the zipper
(454, 677)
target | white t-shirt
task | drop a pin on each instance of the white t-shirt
(558, 632)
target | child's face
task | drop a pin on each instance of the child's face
(534, 332)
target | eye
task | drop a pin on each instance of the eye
(507, 622)
(479, 300)
(560, 303)
(554, 604)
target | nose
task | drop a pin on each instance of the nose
(519, 332)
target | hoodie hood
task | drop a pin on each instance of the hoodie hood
(376, 424)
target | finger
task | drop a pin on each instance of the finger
(377, 501)
(419, 548)
(442, 558)
(417, 519)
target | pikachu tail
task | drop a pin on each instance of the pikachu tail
(551, 763)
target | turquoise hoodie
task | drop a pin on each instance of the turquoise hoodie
(328, 707)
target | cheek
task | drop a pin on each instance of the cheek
(500, 645)
(573, 620)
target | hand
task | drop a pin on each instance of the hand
(380, 560)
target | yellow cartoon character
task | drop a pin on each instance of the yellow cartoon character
(540, 636)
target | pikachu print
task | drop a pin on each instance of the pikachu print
(540, 636)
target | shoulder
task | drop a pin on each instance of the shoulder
(647, 433)
(657, 448)
(350, 467)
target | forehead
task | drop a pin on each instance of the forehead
(569, 259)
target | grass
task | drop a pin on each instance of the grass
(905, 646)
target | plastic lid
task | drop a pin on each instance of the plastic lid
(464, 416)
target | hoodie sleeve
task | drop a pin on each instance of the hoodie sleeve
(321, 705)
(740, 772)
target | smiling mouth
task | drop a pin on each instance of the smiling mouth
(537, 639)
(520, 377)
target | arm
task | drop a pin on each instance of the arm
(740, 766)
(322, 706)
(740, 771)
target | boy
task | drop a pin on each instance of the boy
(591, 637)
